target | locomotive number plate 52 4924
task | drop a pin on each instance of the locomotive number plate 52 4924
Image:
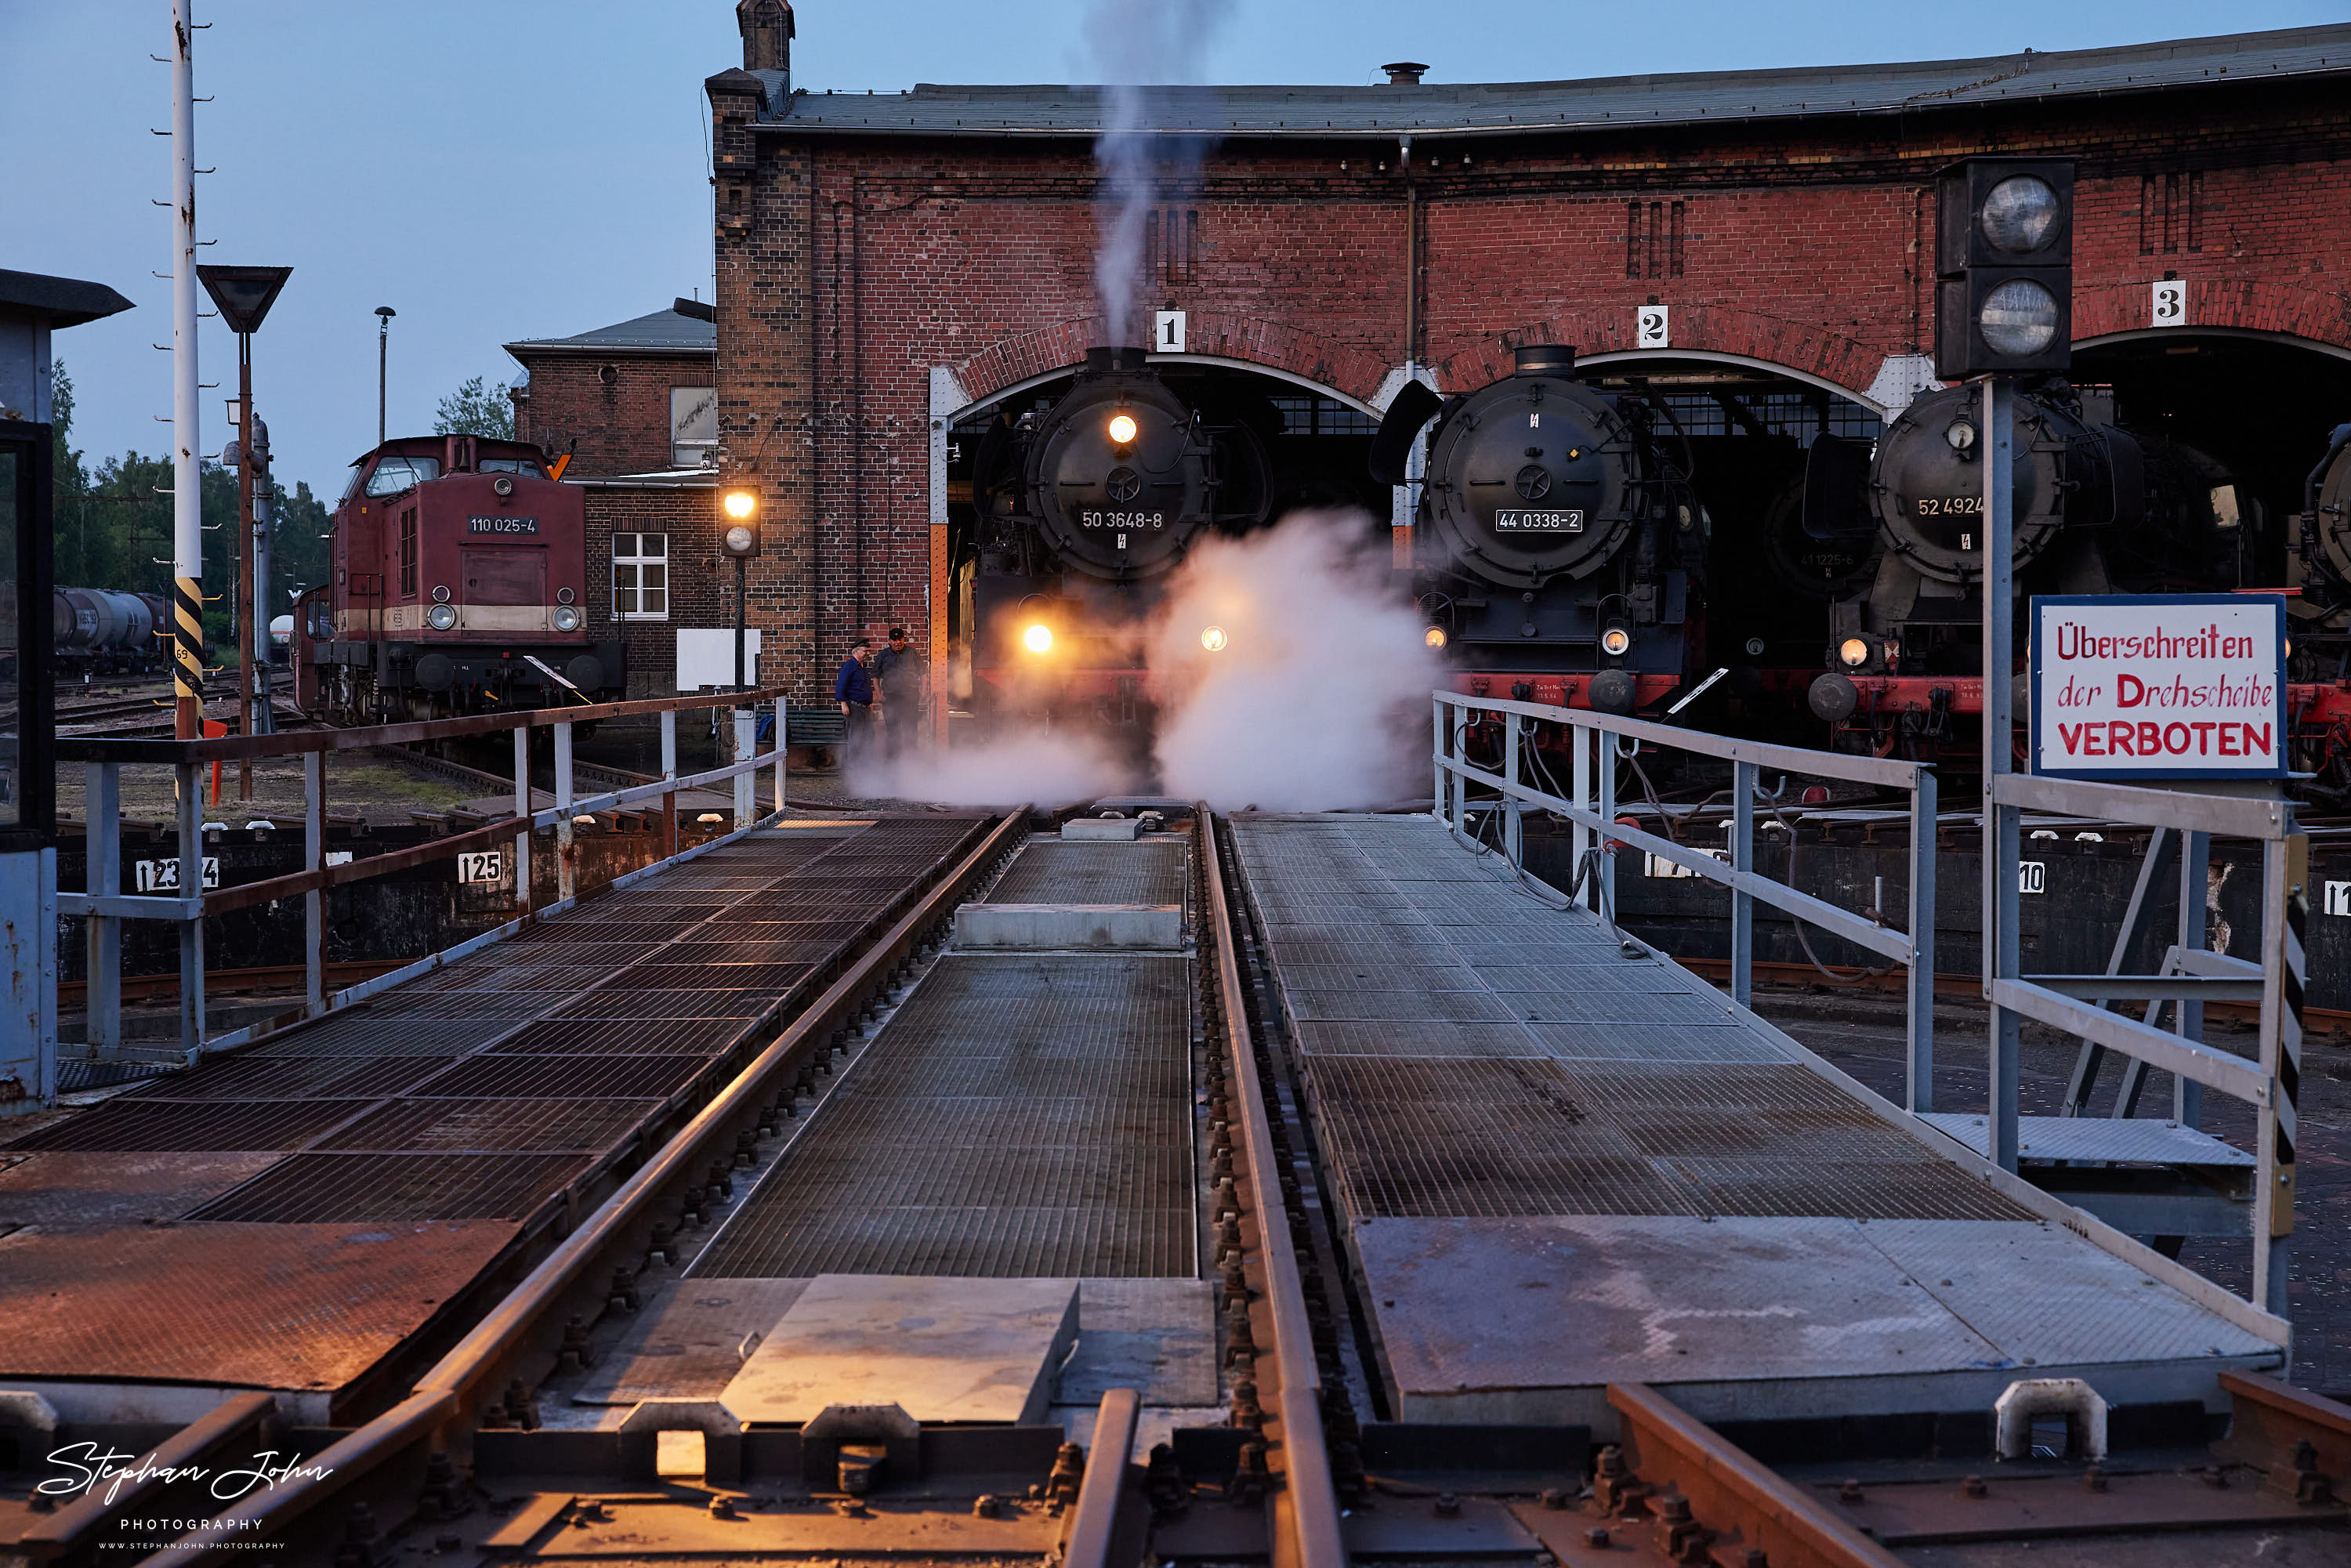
(1517, 521)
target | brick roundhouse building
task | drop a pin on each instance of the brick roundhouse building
(891, 266)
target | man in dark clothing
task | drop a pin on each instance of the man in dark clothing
(853, 690)
(899, 670)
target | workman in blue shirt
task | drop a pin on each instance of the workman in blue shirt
(853, 690)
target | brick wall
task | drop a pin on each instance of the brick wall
(701, 586)
(619, 425)
(848, 269)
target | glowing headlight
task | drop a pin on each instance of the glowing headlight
(441, 617)
(1853, 653)
(1434, 636)
(2019, 318)
(1212, 638)
(1614, 641)
(566, 619)
(1122, 428)
(1038, 638)
(741, 503)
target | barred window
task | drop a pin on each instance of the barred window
(641, 577)
(1653, 239)
(2171, 213)
(1171, 244)
(408, 553)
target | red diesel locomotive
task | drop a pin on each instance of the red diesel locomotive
(460, 577)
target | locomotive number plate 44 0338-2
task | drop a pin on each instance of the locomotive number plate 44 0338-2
(1519, 521)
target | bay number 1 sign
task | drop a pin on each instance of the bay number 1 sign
(2158, 686)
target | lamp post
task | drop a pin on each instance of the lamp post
(742, 541)
(384, 315)
(243, 296)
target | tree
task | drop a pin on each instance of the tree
(474, 410)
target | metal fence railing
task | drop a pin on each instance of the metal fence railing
(104, 906)
(1596, 741)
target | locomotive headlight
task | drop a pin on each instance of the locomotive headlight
(740, 504)
(2018, 213)
(1123, 429)
(1853, 653)
(1961, 435)
(566, 619)
(441, 617)
(1038, 638)
(503, 485)
(1615, 641)
(1434, 637)
(2019, 318)
(1212, 638)
(441, 593)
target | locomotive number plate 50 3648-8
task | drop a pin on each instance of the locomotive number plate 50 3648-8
(1093, 520)
(1517, 521)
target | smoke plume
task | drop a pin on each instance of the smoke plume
(1143, 51)
(1027, 766)
(1318, 698)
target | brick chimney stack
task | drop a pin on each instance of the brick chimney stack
(767, 29)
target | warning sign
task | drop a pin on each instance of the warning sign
(2180, 686)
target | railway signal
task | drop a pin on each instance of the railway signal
(2003, 267)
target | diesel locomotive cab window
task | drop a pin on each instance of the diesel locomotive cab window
(398, 472)
(641, 577)
(521, 466)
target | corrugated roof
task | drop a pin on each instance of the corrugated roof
(663, 332)
(1605, 102)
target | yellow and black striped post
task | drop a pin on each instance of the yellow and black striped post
(188, 656)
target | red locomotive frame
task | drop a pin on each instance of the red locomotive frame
(460, 579)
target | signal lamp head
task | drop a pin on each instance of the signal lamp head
(1212, 638)
(2019, 213)
(1853, 653)
(741, 503)
(1038, 638)
(1123, 429)
(1615, 641)
(1434, 637)
(2019, 318)
(739, 540)
(441, 617)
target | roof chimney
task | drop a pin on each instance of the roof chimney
(1404, 73)
(767, 29)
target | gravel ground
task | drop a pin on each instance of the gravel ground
(1864, 1036)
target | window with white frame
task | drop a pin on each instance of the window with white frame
(641, 577)
(693, 427)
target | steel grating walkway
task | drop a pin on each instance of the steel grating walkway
(1016, 1117)
(476, 1096)
(1524, 1127)
(1051, 871)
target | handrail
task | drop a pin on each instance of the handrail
(1596, 832)
(2222, 816)
(300, 742)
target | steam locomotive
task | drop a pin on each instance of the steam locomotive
(2318, 566)
(2098, 510)
(1559, 546)
(1084, 507)
(459, 585)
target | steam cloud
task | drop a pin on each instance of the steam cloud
(1315, 700)
(1029, 765)
(1141, 49)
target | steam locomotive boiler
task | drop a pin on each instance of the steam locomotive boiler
(1084, 507)
(459, 586)
(2097, 509)
(2319, 565)
(1558, 542)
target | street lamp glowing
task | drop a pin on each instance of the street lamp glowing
(741, 503)
(1122, 428)
(1212, 638)
(1038, 638)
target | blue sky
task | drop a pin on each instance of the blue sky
(505, 169)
